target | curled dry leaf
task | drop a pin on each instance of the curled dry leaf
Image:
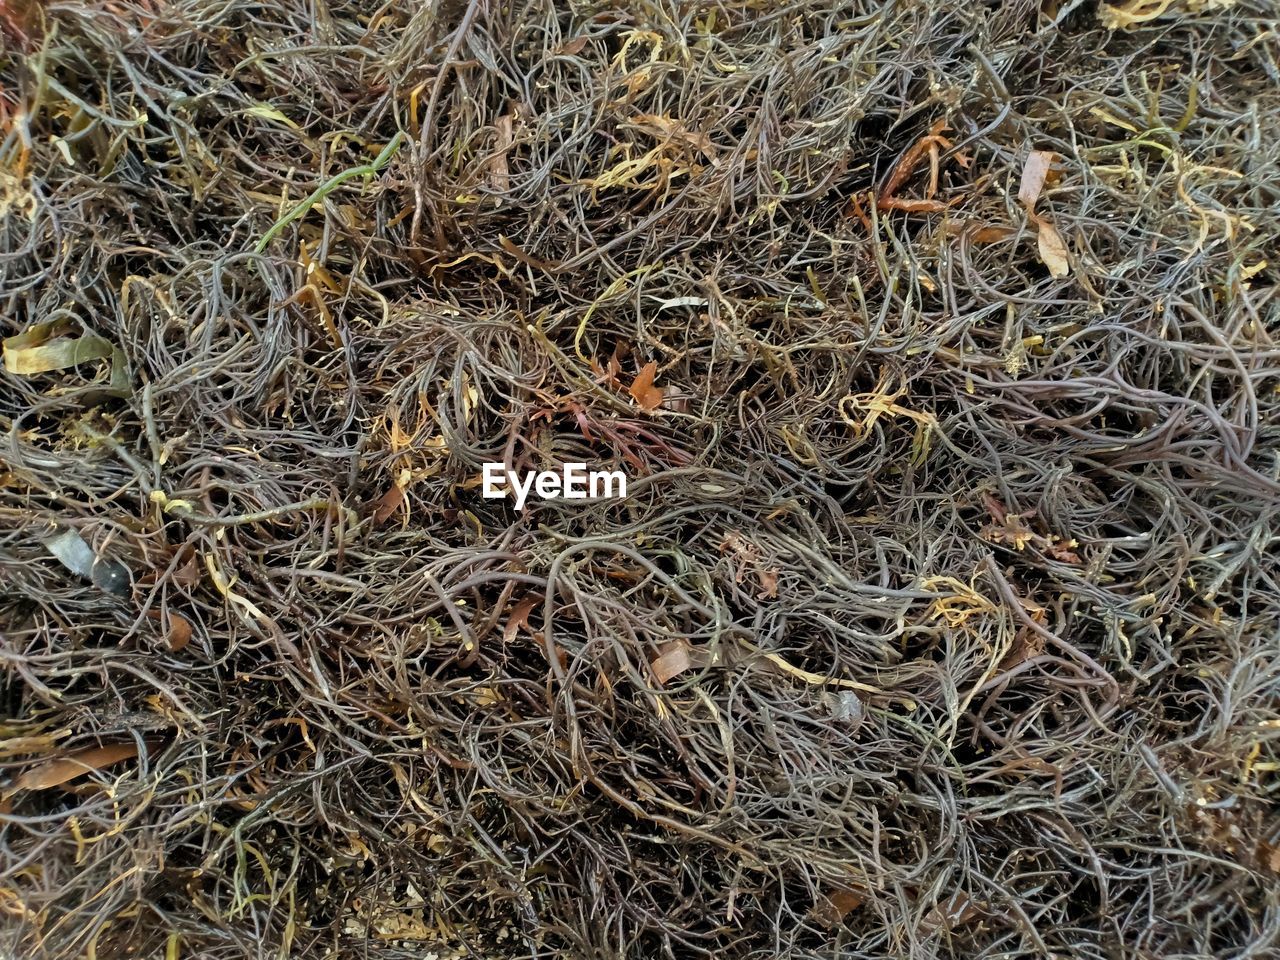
(14, 746)
(1063, 550)
(929, 145)
(187, 572)
(1026, 644)
(42, 348)
(56, 355)
(667, 127)
(1269, 856)
(642, 389)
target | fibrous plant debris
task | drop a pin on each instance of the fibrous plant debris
(937, 340)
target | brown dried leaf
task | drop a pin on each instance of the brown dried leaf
(668, 127)
(642, 389)
(1269, 856)
(956, 910)
(188, 574)
(571, 48)
(179, 628)
(831, 909)
(1026, 644)
(991, 234)
(907, 164)
(54, 773)
(768, 584)
(1034, 172)
(911, 206)
(21, 19)
(1063, 550)
(1052, 250)
(519, 617)
(387, 504)
(499, 171)
(673, 662)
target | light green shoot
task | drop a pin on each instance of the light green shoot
(366, 170)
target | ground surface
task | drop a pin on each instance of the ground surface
(937, 341)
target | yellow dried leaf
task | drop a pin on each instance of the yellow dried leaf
(34, 743)
(265, 111)
(30, 353)
(1144, 11)
(402, 926)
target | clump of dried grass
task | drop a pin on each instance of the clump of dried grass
(939, 344)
